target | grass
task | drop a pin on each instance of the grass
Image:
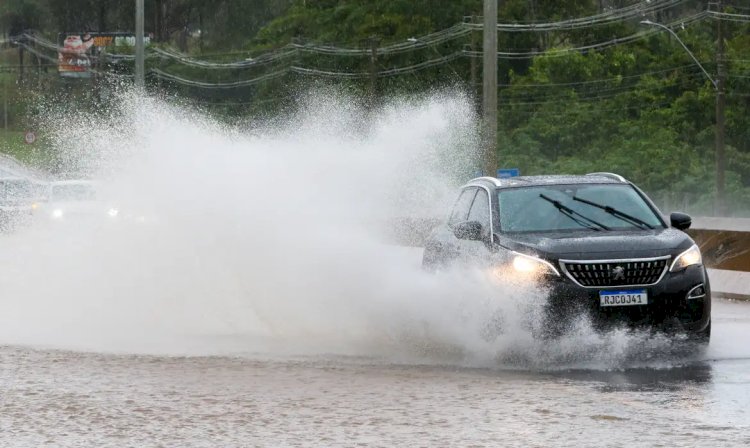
(37, 155)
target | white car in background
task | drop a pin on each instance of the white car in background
(73, 200)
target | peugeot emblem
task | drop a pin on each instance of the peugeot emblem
(618, 273)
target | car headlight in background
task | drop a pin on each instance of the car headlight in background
(113, 212)
(690, 257)
(57, 213)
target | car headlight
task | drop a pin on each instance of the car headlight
(113, 212)
(690, 257)
(57, 213)
(527, 264)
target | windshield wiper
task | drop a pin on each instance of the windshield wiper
(583, 221)
(617, 214)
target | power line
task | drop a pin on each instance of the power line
(206, 85)
(730, 16)
(737, 7)
(595, 46)
(264, 59)
(36, 53)
(618, 15)
(411, 44)
(426, 41)
(601, 80)
(598, 106)
(614, 92)
(308, 72)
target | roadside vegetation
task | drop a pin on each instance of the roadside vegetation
(601, 94)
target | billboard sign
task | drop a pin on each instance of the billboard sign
(78, 53)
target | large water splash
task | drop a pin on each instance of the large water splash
(271, 240)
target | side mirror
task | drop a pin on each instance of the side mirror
(469, 230)
(680, 221)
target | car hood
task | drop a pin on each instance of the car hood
(585, 245)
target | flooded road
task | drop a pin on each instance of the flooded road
(213, 311)
(60, 398)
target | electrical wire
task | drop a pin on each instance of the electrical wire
(601, 80)
(309, 72)
(416, 43)
(611, 93)
(427, 41)
(206, 85)
(595, 46)
(264, 59)
(730, 16)
(635, 11)
(36, 53)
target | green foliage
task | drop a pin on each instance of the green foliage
(642, 109)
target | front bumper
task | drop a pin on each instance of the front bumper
(668, 308)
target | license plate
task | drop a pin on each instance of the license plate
(623, 298)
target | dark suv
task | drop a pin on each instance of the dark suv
(596, 241)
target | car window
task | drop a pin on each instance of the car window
(536, 209)
(480, 210)
(461, 208)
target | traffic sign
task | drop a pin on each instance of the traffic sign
(30, 137)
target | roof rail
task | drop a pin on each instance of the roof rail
(614, 176)
(489, 179)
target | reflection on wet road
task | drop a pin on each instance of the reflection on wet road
(72, 399)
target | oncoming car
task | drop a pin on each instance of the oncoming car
(596, 241)
(77, 200)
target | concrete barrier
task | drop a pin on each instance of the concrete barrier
(729, 284)
(725, 242)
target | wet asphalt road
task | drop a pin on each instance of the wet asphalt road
(59, 398)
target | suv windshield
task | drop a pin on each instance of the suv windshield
(574, 207)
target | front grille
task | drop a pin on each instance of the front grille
(615, 273)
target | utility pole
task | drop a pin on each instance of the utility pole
(139, 47)
(5, 105)
(720, 127)
(473, 68)
(373, 68)
(489, 88)
(20, 58)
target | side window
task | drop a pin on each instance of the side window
(480, 211)
(461, 208)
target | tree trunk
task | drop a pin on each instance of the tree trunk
(159, 34)
(102, 16)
